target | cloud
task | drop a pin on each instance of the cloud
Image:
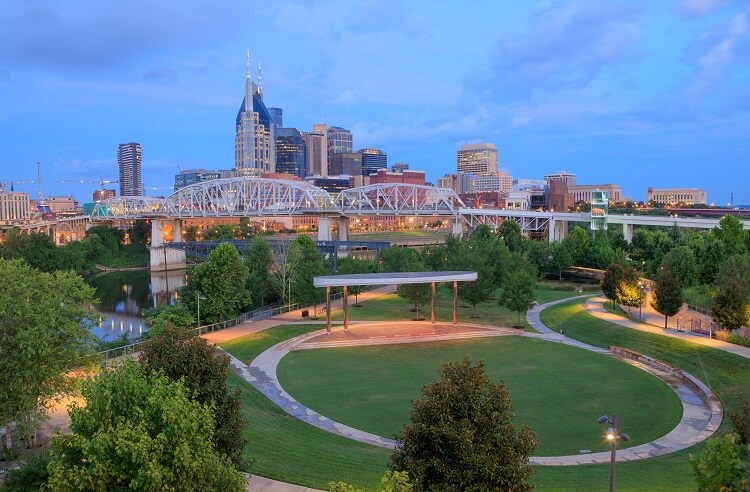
(694, 8)
(715, 54)
(565, 46)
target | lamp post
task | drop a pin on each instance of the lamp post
(199, 297)
(612, 437)
(640, 300)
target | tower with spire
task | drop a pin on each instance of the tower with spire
(254, 145)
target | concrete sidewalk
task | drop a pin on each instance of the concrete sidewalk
(651, 322)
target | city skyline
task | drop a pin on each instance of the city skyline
(632, 93)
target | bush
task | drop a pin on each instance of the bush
(728, 336)
(701, 296)
(31, 476)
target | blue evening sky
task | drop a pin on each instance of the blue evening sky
(640, 93)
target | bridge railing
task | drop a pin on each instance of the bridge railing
(255, 315)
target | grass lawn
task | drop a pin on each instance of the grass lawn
(371, 388)
(727, 374)
(393, 307)
(288, 449)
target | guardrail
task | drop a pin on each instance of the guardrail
(700, 310)
(255, 315)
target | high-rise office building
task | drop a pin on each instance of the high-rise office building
(372, 160)
(568, 178)
(254, 148)
(340, 141)
(291, 152)
(129, 161)
(399, 167)
(277, 115)
(478, 158)
(189, 177)
(345, 163)
(103, 194)
(317, 150)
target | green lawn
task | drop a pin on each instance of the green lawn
(371, 388)
(289, 450)
(393, 307)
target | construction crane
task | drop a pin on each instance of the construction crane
(101, 181)
(40, 188)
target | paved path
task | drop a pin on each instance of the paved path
(653, 321)
(699, 421)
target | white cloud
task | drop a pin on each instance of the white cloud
(698, 7)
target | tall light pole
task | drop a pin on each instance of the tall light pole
(612, 437)
(199, 297)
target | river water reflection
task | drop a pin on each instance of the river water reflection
(123, 296)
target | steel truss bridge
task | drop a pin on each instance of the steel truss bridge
(261, 197)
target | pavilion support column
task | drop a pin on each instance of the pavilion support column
(328, 310)
(455, 303)
(346, 308)
(432, 303)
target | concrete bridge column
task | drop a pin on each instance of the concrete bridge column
(627, 231)
(558, 230)
(162, 257)
(459, 228)
(325, 224)
(342, 224)
(324, 228)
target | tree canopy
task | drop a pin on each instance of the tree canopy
(142, 433)
(462, 435)
(668, 296)
(518, 293)
(222, 280)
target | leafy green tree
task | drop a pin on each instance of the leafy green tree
(578, 243)
(628, 294)
(111, 237)
(390, 482)
(539, 254)
(397, 259)
(710, 256)
(462, 435)
(613, 277)
(469, 255)
(349, 266)
(518, 293)
(720, 467)
(221, 231)
(732, 234)
(309, 263)
(141, 433)
(178, 316)
(44, 335)
(222, 280)
(181, 356)
(735, 267)
(510, 232)
(668, 296)
(730, 306)
(259, 261)
(140, 233)
(681, 263)
(191, 233)
(562, 258)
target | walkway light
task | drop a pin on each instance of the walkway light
(612, 437)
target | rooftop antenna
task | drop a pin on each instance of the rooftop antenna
(40, 188)
(731, 199)
(260, 82)
(247, 65)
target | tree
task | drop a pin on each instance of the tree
(178, 316)
(397, 259)
(518, 293)
(732, 234)
(181, 356)
(628, 294)
(736, 267)
(471, 256)
(309, 263)
(221, 279)
(578, 243)
(259, 260)
(741, 422)
(44, 335)
(720, 466)
(283, 269)
(510, 232)
(562, 258)
(355, 266)
(681, 263)
(710, 255)
(730, 306)
(140, 233)
(141, 433)
(667, 295)
(462, 435)
(613, 276)
(417, 294)
(191, 233)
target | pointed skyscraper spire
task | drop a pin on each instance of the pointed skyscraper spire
(260, 82)
(247, 65)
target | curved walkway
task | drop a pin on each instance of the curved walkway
(699, 421)
(595, 307)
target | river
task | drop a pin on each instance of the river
(124, 296)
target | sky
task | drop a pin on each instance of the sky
(639, 92)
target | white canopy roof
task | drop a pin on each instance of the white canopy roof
(393, 278)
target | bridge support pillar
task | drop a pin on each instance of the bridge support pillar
(325, 225)
(627, 232)
(162, 257)
(558, 230)
(459, 228)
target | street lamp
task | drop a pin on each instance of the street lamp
(200, 298)
(641, 287)
(612, 437)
